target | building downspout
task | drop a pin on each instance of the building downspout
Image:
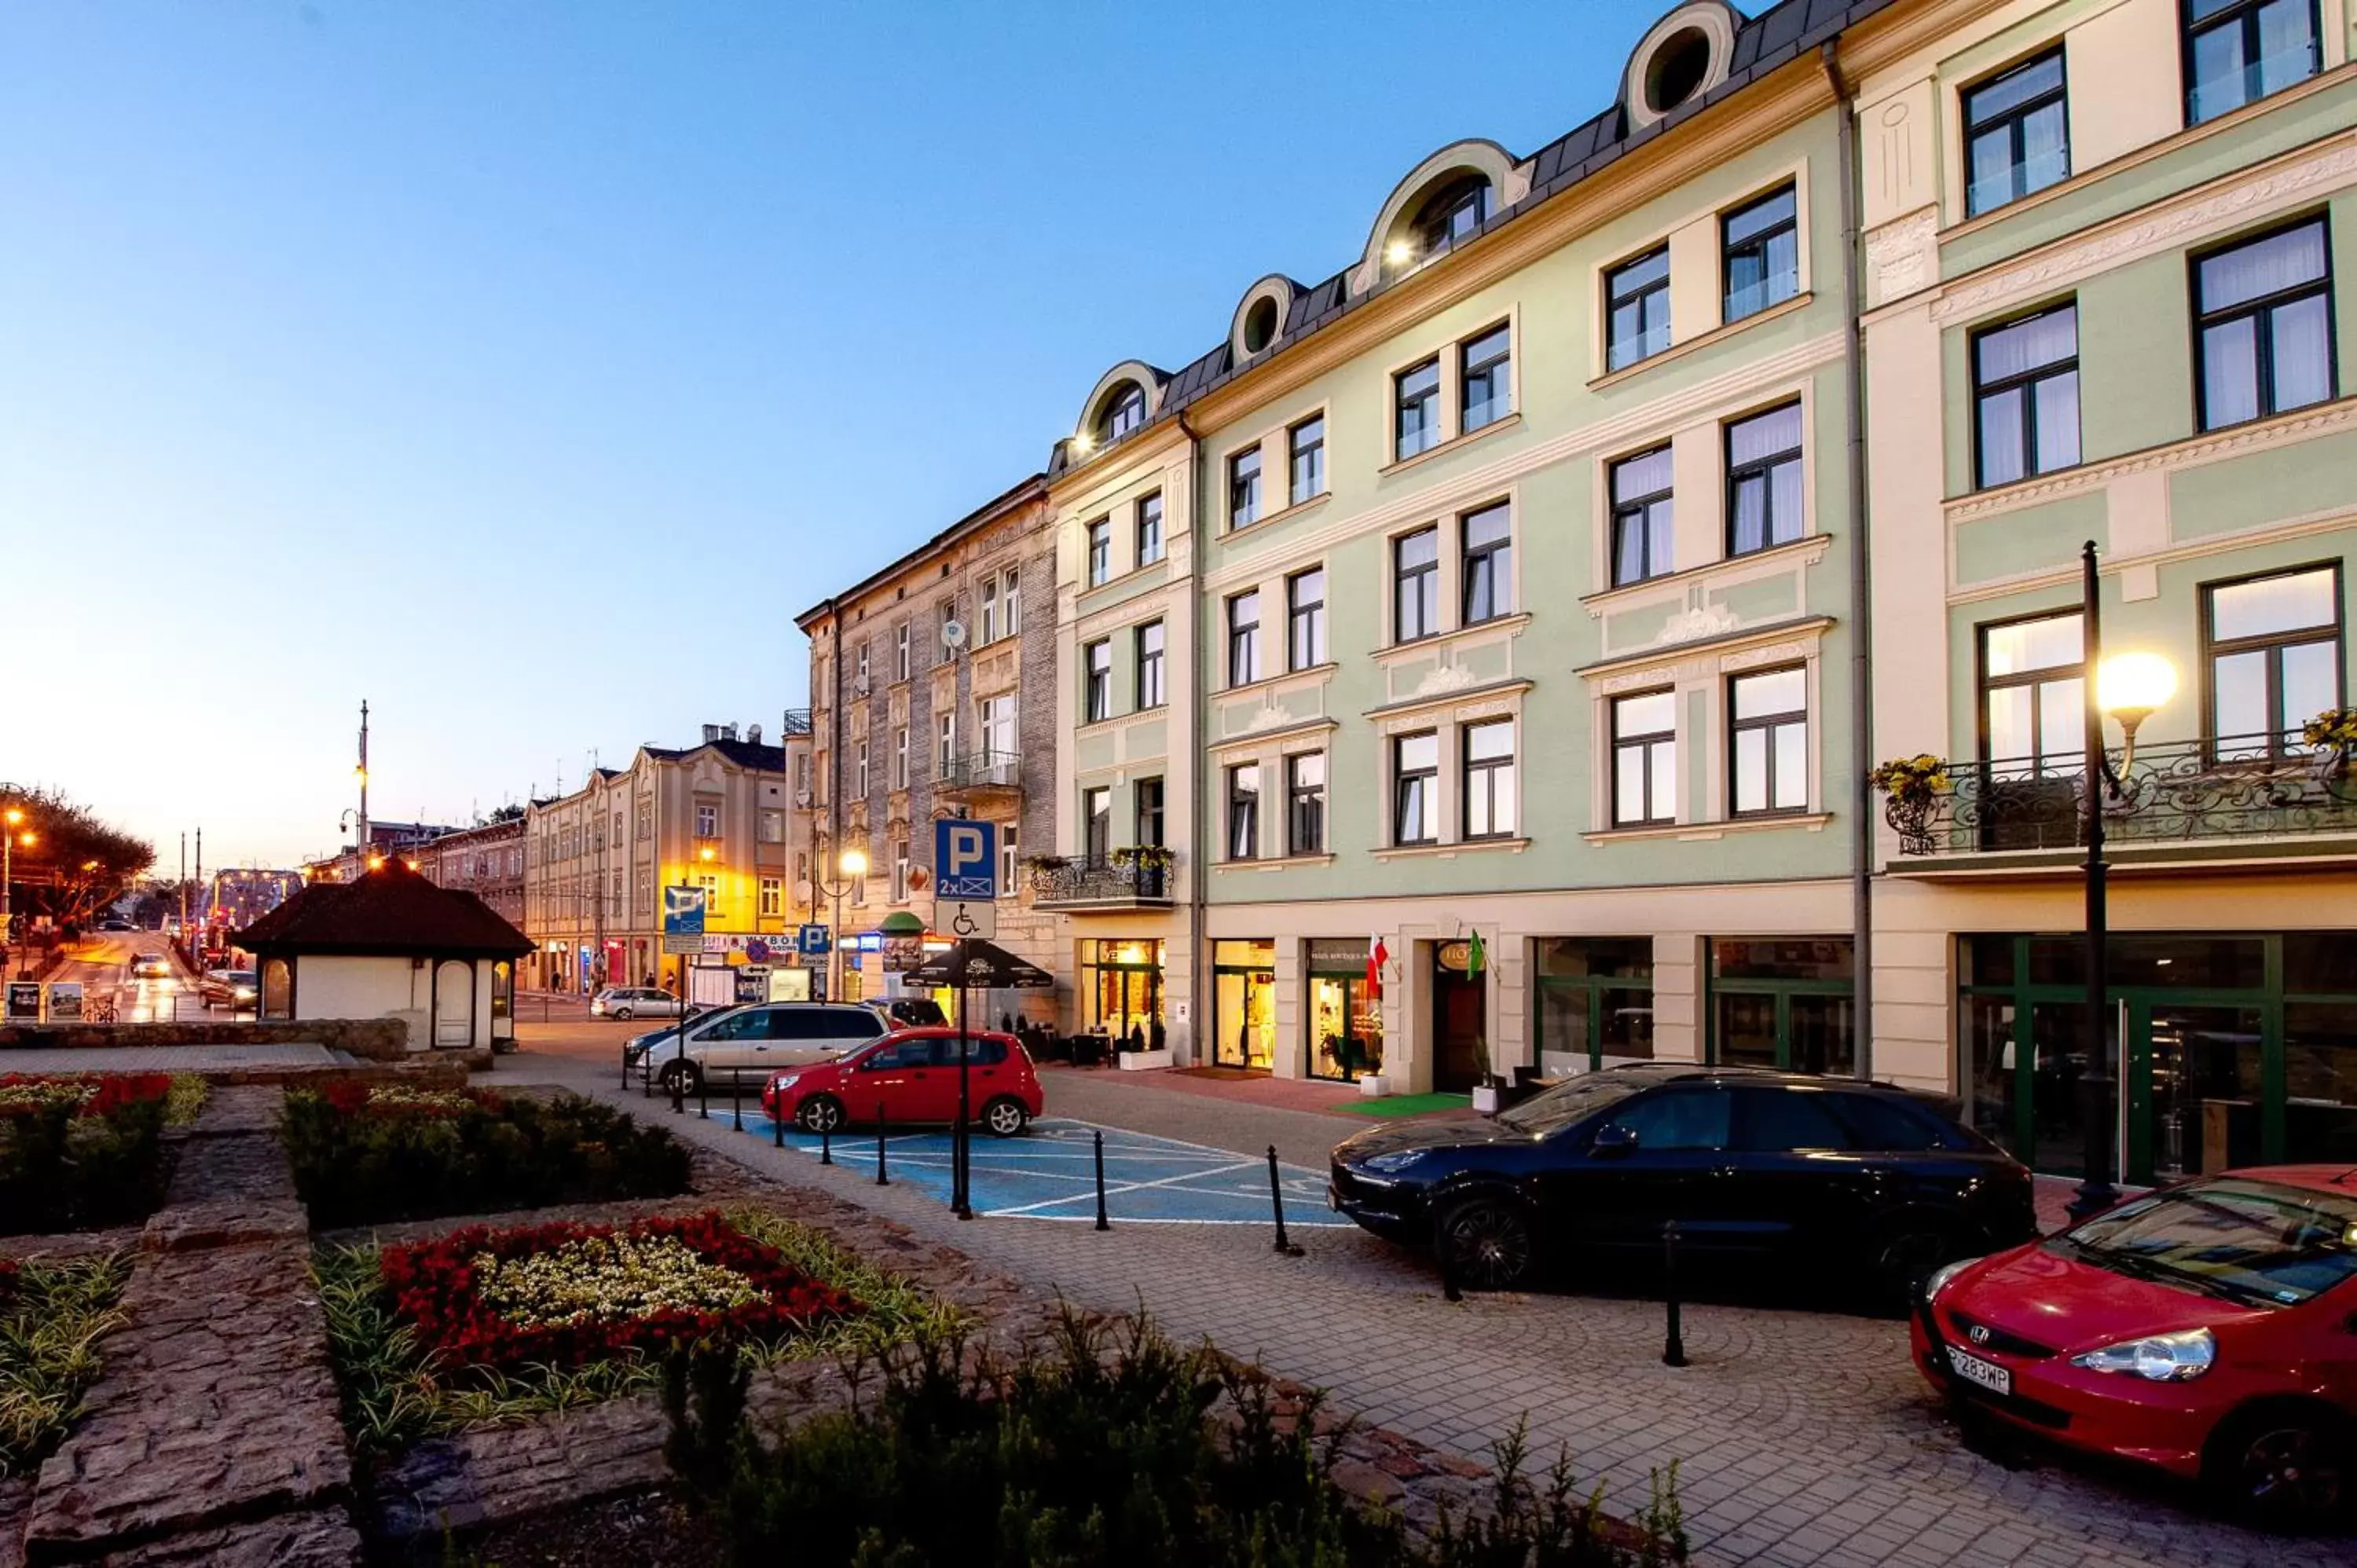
(1198, 873)
(833, 784)
(1861, 589)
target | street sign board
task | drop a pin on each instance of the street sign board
(965, 859)
(683, 913)
(65, 1000)
(757, 951)
(811, 942)
(966, 918)
(24, 1001)
(674, 946)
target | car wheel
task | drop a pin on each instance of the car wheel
(820, 1113)
(1490, 1242)
(1004, 1118)
(623, 1014)
(1905, 1252)
(679, 1078)
(2284, 1467)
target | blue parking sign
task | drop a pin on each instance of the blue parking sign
(965, 859)
(811, 942)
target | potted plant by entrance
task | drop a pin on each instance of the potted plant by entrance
(1489, 1093)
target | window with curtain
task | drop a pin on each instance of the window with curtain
(1147, 797)
(1305, 796)
(1305, 617)
(1767, 742)
(1416, 584)
(2238, 52)
(1305, 442)
(2274, 648)
(1416, 788)
(2017, 138)
(1644, 759)
(1243, 811)
(1149, 529)
(1244, 488)
(1416, 401)
(1485, 381)
(1761, 254)
(2265, 314)
(1763, 480)
(1487, 562)
(1643, 517)
(1637, 302)
(2033, 702)
(1490, 804)
(2026, 396)
(1243, 638)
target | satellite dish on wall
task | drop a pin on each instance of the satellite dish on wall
(954, 633)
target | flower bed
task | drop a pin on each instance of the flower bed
(52, 1317)
(563, 1294)
(364, 1154)
(486, 1327)
(83, 1150)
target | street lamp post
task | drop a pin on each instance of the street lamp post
(850, 865)
(2128, 688)
(8, 879)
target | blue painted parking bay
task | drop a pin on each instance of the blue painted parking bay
(1048, 1174)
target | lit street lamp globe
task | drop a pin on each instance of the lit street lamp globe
(2129, 686)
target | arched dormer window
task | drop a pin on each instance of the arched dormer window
(1453, 213)
(1124, 411)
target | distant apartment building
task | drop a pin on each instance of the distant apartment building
(385, 841)
(485, 860)
(717, 815)
(932, 695)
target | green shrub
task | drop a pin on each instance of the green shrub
(52, 1317)
(63, 1168)
(355, 1165)
(1109, 1451)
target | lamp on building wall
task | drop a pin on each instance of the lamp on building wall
(2128, 688)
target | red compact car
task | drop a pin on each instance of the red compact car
(2208, 1328)
(913, 1075)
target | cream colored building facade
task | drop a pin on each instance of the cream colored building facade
(718, 814)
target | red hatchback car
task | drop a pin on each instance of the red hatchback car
(2208, 1328)
(913, 1075)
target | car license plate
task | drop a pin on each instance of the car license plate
(1982, 1374)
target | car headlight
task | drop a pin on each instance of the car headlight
(1395, 1162)
(785, 1081)
(1938, 1278)
(2161, 1358)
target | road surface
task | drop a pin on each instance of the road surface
(103, 967)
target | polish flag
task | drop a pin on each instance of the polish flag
(1377, 954)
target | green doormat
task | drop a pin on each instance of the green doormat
(1405, 1104)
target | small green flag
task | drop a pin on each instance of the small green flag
(1476, 955)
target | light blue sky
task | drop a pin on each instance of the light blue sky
(526, 368)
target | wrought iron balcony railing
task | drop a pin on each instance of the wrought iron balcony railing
(983, 770)
(1082, 882)
(2237, 786)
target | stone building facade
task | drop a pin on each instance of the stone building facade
(487, 861)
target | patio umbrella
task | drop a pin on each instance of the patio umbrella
(973, 964)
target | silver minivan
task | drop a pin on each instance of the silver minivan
(742, 1045)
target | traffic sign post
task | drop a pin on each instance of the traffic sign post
(813, 941)
(682, 932)
(965, 893)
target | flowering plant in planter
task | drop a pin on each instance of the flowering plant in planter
(79, 1094)
(2333, 729)
(564, 1295)
(1911, 778)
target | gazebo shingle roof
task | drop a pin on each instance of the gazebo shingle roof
(391, 910)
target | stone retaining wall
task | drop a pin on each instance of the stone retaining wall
(378, 1039)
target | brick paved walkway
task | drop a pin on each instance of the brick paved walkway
(167, 1058)
(1803, 1438)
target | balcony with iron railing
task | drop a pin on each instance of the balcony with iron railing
(981, 773)
(1120, 883)
(2178, 800)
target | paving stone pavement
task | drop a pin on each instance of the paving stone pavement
(1801, 1438)
(166, 1058)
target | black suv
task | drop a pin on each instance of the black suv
(1864, 1180)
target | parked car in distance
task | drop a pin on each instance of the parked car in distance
(150, 966)
(1857, 1185)
(910, 1012)
(913, 1075)
(2209, 1328)
(234, 989)
(115, 923)
(634, 1002)
(738, 1045)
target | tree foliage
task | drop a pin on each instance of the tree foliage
(76, 865)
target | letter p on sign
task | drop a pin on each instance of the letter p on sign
(965, 859)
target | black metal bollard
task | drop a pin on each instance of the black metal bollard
(777, 1119)
(626, 1074)
(703, 1091)
(1673, 1348)
(826, 1140)
(678, 1090)
(1283, 1247)
(881, 1179)
(1103, 1223)
(1446, 1256)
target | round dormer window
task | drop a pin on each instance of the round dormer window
(1260, 325)
(1677, 69)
